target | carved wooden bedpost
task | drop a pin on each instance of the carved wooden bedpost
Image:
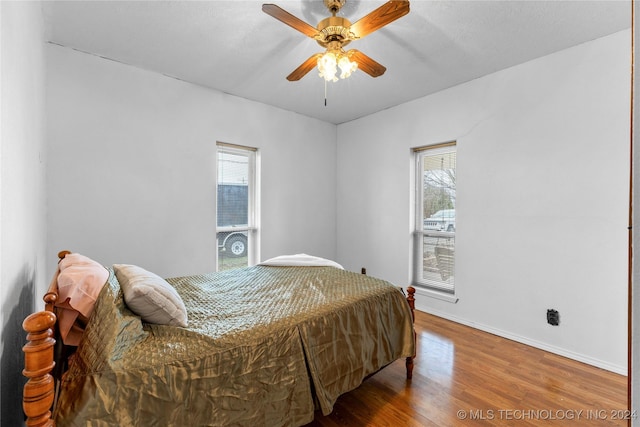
(412, 305)
(411, 291)
(38, 394)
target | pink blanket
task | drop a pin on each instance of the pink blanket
(80, 281)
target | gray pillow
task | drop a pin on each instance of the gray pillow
(150, 296)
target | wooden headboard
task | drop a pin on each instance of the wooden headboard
(39, 359)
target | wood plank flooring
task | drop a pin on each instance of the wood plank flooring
(466, 377)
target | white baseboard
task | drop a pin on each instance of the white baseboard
(622, 370)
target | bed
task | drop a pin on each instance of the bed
(266, 345)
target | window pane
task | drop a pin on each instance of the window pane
(437, 218)
(438, 261)
(232, 250)
(233, 201)
(439, 191)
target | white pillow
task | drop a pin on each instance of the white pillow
(150, 296)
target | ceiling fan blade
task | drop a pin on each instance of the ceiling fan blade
(380, 17)
(292, 21)
(304, 68)
(366, 64)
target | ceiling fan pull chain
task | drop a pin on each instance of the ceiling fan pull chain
(325, 93)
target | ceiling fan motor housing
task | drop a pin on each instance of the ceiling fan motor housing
(332, 29)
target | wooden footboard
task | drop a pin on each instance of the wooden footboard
(411, 291)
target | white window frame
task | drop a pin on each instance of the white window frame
(253, 214)
(425, 286)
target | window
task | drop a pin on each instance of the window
(435, 228)
(237, 217)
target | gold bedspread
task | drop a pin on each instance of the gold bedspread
(265, 346)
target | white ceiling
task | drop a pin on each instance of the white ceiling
(234, 47)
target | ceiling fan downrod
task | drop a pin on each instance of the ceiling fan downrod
(334, 5)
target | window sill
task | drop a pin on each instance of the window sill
(430, 293)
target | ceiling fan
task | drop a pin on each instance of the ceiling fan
(334, 33)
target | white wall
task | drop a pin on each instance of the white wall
(22, 201)
(132, 167)
(542, 199)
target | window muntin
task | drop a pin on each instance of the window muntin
(236, 219)
(435, 228)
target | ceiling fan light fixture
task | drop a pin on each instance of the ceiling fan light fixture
(328, 67)
(329, 63)
(346, 66)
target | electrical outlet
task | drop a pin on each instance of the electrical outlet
(553, 317)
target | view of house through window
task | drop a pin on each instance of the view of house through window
(236, 214)
(435, 217)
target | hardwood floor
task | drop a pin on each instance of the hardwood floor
(467, 377)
